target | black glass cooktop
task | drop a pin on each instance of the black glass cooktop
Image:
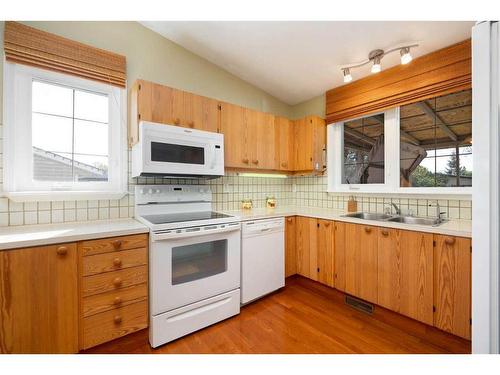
(183, 217)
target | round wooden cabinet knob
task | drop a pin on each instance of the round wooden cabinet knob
(255, 161)
(284, 164)
(245, 161)
(368, 229)
(289, 219)
(385, 233)
(191, 124)
(62, 250)
(449, 240)
(117, 281)
(117, 262)
(117, 319)
(117, 244)
(177, 121)
(327, 224)
(117, 301)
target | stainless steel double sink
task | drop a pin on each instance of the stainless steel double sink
(395, 218)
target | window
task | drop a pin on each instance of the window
(364, 150)
(64, 136)
(423, 147)
(436, 142)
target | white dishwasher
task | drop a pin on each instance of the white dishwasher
(262, 257)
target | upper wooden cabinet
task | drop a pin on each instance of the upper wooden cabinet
(310, 144)
(405, 265)
(162, 104)
(361, 261)
(452, 285)
(39, 297)
(284, 134)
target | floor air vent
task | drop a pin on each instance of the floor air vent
(359, 304)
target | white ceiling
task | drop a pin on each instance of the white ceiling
(297, 60)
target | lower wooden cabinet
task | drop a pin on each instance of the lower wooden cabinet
(405, 272)
(39, 300)
(452, 285)
(290, 246)
(361, 261)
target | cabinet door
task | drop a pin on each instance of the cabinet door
(195, 111)
(303, 145)
(405, 264)
(307, 262)
(233, 126)
(284, 130)
(339, 256)
(319, 143)
(324, 248)
(260, 141)
(162, 102)
(361, 261)
(452, 284)
(290, 247)
(39, 294)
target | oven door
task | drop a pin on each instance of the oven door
(176, 151)
(193, 265)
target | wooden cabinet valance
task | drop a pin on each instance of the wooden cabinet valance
(438, 73)
(29, 46)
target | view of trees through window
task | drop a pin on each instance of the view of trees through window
(364, 150)
(436, 142)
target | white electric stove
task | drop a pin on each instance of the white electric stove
(194, 260)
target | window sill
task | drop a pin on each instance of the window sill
(43, 196)
(442, 193)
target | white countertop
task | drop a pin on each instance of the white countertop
(460, 228)
(37, 235)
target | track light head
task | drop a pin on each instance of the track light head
(347, 75)
(405, 55)
(376, 67)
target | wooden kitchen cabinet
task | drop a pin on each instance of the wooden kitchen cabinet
(290, 246)
(310, 144)
(236, 137)
(339, 255)
(39, 297)
(315, 249)
(325, 250)
(306, 247)
(284, 143)
(260, 140)
(166, 105)
(361, 261)
(452, 285)
(405, 273)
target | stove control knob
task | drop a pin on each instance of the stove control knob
(143, 191)
(150, 191)
(157, 191)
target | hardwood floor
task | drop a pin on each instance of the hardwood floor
(303, 317)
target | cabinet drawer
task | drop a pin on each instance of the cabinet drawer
(108, 245)
(114, 261)
(115, 323)
(99, 303)
(109, 281)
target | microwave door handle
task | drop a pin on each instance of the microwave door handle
(213, 156)
(201, 232)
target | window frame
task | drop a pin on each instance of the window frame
(335, 163)
(18, 155)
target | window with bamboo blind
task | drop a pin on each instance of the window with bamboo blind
(29, 46)
(435, 74)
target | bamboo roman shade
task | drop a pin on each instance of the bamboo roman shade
(438, 73)
(30, 46)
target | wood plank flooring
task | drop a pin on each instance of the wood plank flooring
(303, 317)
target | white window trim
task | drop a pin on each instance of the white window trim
(17, 126)
(335, 163)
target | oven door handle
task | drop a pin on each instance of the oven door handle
(191, 234)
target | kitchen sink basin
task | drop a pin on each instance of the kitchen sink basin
(394, 219)
(414, 220)
(369, 216)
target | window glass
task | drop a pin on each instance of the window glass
(436, 142)
(70, 131)
(364, 151)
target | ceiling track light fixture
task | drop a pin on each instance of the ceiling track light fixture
(375, 57)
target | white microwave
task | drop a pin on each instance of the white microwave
(172, 151)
